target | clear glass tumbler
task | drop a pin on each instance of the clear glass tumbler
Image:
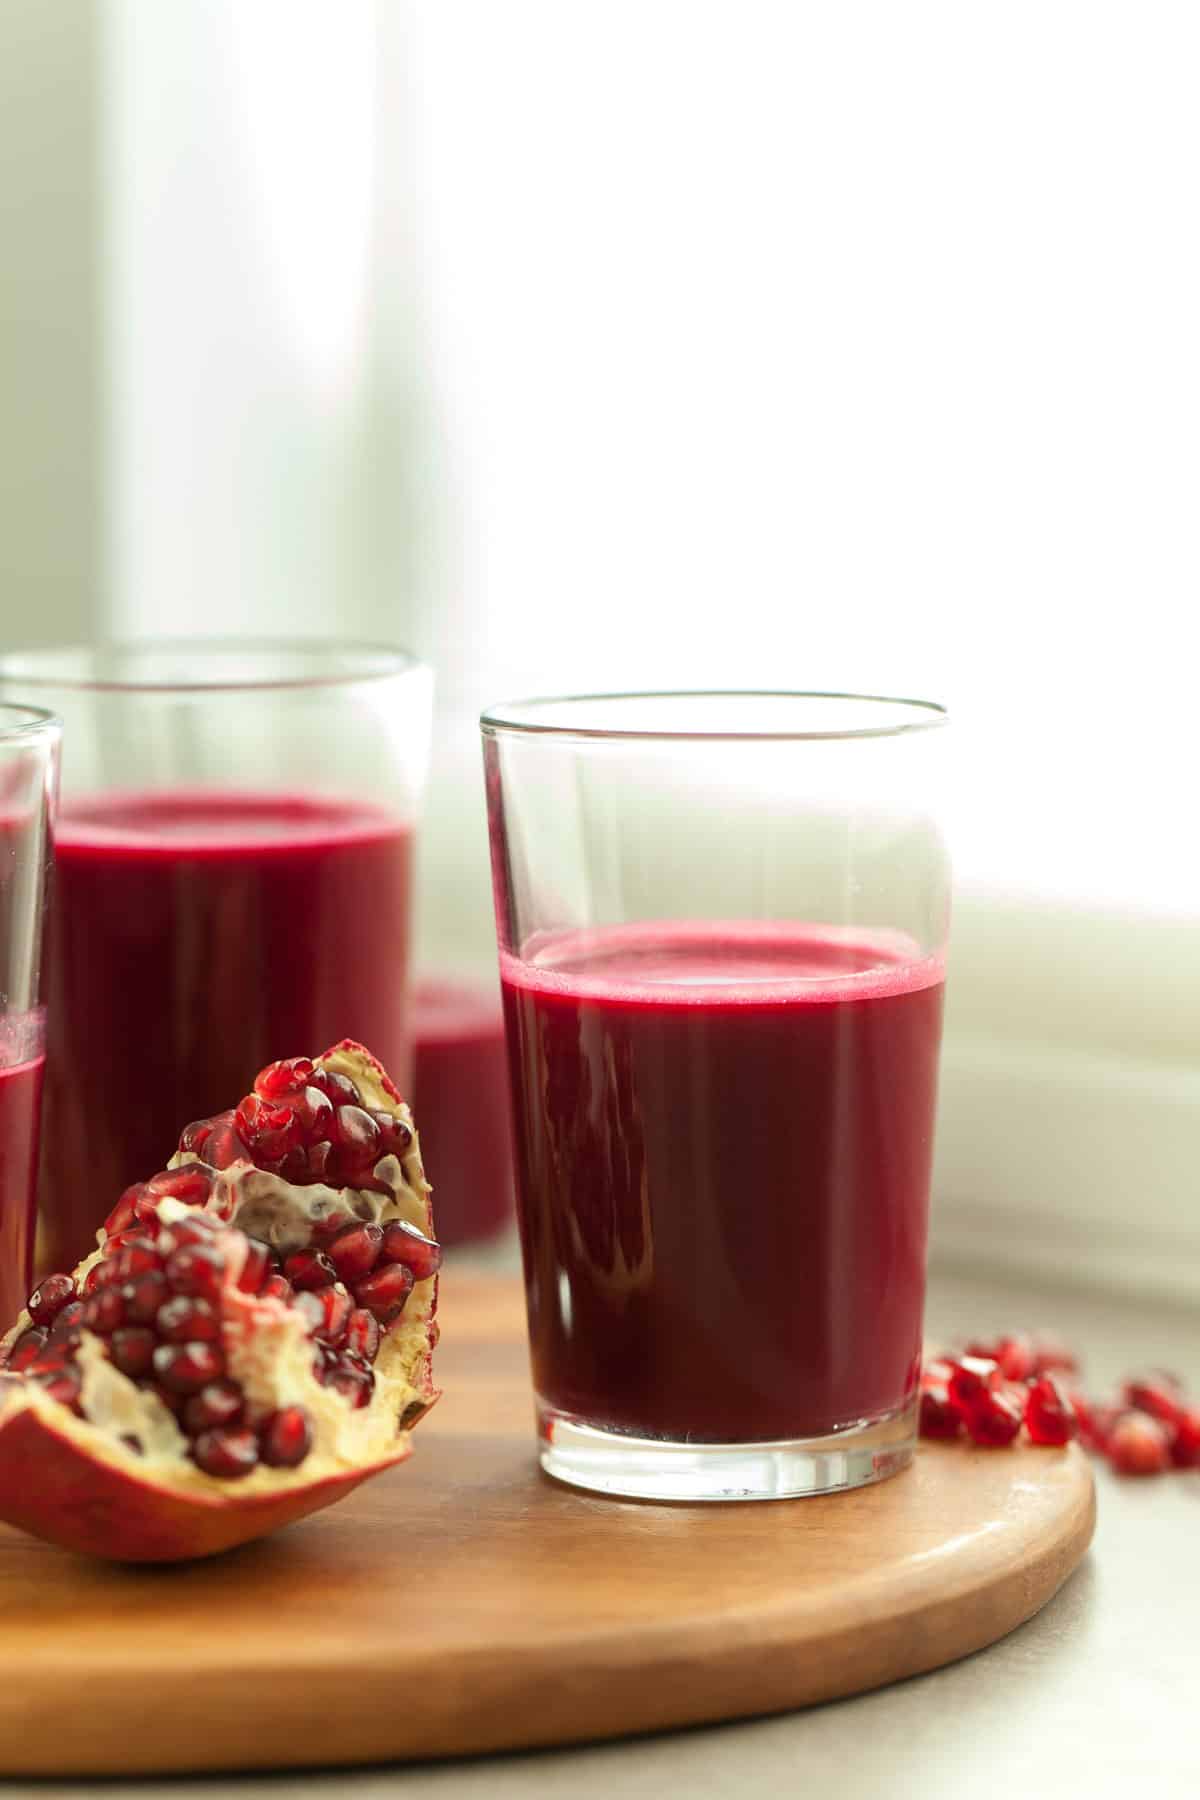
(29, 749)
(722, 921)
(233, 882)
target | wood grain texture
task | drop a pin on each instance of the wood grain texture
(464, 1603)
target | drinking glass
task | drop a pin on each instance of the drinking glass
(29, 748)
(721, 921)
(233, 878)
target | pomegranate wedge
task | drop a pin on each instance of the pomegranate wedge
(251, 1339)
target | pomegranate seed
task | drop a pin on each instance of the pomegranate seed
(309, 1269)
(1156, 1393)
(286, 1438)
(256, 1268)
(220, 1403)
(196, 1270)
(395, 1139)
(137, 1257)
(939, 1417)
(1013, 1355)
(337, 1308)
(270, 1129)
(122, 1215)
(995, 1419)
(971, 1379)
(186, 1368)
(317, 1160)
(1052, 1356)
(144, 1296)
(315, 1113)
(279, 1078)
(351, 1380)
(132, 1350)
(64, 1387)
(185, 1320)
(193, 1137)
(331, 1226)
(1138, 1444)
(356, 1134)
(194, 1228)
(26, 1349)
(69, 1322)
(1094, 1422)
(385, 1291)
(47, 1301)
(403, 1243)
(355, 1252)
(339, 1088)
(1185, 1446)
(276, 1287)
(227, 1451)
(99, 1276)
(363, 1335)
(1049, 1415)
(223, 1146)
(51, 1359)
(104, 1312)
(191, 1184)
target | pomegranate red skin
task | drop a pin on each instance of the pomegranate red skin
(53, 1489)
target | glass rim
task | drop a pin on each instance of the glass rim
(31, 722)
(520, 718)
(65, 667)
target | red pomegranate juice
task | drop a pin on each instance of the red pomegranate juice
(723, 1138)
(194, 937)
(20, 1104)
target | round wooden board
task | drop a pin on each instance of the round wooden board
(465, 1603)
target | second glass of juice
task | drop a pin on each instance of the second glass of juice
(233, 877)
(722, 923)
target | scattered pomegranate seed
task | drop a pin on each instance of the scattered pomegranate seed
(47, 1301)
(1049, 1415)
(1156, 1393)
(1051, 1356)
(186, 1368)
(286, 1438)
(227, 1451)
(1138, 1444)
(186, 1319)
(1185, 1446)
(939, 1417)
(196, 1270)
(997, 1416)
(971, 1379)
(385, 1292)
(355, 1252)
(219, 1403)
(132, 1350)
(403, 1243)
(309, 1269)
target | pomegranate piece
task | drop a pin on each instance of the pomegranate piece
(47, 1301)
(355, 1252)
(385, 1292)
(996, 1416)
(199, 1327)
(286, 1438)
(229, 1451)
(1049, 1415)
(403, 1243)
(1139, 1444)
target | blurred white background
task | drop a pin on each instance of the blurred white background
(677, 343)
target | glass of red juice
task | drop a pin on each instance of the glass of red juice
(29, 752)
(232, 884)
(722, 922)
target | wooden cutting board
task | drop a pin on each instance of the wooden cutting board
(466, 1603)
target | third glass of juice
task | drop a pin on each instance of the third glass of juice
(233, 877)
(722, 924)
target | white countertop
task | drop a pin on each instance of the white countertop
(1097, 1695)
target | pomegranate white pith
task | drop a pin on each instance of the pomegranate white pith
(326, 1377)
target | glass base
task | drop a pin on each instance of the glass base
(635, 1468)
